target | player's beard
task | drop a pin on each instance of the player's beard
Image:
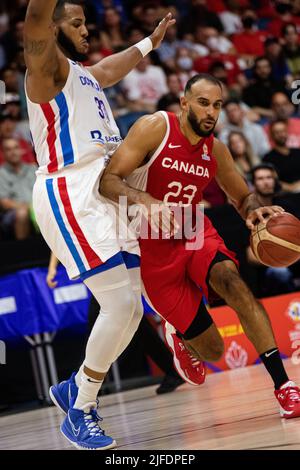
(196, 125)
(69, 48)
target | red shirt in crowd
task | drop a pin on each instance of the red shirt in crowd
(275, 26)
(251, 43)
(202, 65)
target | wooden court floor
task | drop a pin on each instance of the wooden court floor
(232, 410)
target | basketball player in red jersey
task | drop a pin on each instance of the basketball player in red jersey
(166, 160)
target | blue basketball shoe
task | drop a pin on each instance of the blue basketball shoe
(82, 429)
(62, 393)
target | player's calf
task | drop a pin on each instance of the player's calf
(208, 346)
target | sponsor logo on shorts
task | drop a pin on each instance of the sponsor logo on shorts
(293, 311)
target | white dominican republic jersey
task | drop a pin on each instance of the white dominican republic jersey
(74, 135)
(76, 127)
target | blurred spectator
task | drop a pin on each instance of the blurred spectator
(223, 72)
(13, 77)
(184, 65)
(112, 34)
(134, 35)
(8, 129)
(168, 48)
(238, 122)
(283, 16)
(258, 94)
(242, 153)
(170, 103)
(265, 182)
(200, 14)
(174, 84)
(274, 280)
(233, 71)
(249, 43)
(16, 184)
(96, 44)
(11, 80)
(102, 5)
(283, 109)
(12, 107)
(291, 48)
(147, 17)
(144, 86)
(280, 69)
(200, 37)
(285, 160)
(4, 19)
(230, 18)
(12, 40)
(216, 42)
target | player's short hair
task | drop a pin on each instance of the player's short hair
(201, 76)
(60, 7)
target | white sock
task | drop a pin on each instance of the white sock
(88, 391)
(78, 376)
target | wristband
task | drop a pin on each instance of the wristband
(145, 46)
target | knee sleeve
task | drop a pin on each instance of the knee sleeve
(118, 302)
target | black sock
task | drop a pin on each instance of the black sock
(273, 363)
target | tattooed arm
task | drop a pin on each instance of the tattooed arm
(46, 67)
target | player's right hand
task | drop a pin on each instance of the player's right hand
(50, 278)
(159, 216)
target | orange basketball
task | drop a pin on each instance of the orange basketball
(276, 242)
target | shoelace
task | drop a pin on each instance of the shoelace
(294, 394)
(192, 359)
(91, 421)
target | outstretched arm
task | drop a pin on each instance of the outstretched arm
(232, 183)
(115, 67)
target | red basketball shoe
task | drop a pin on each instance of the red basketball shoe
(191, 369)
(289, 400)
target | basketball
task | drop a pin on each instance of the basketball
(276, 242)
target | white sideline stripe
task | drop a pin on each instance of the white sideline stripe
(70, 293)
(8, 305)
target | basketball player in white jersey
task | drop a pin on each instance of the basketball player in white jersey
(74, 133)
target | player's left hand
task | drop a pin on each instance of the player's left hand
(50, 278)
(260, 215)
(159, 33)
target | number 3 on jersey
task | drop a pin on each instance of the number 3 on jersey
(101, 107)
(186, 194)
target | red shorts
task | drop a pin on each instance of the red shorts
(174, 278)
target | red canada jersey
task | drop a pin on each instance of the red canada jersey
(178, 172)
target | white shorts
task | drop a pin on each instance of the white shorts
(75, 221)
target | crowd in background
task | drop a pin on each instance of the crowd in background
(251, 46)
